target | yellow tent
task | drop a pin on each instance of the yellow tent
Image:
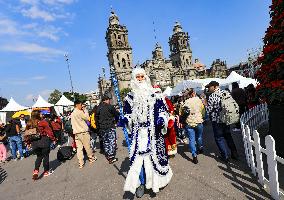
(22, 112)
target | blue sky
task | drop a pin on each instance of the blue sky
(35, 35)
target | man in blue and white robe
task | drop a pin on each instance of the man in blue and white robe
(146, 118)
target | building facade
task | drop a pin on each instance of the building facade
(218, 69)
(162, 71)
(119, 51)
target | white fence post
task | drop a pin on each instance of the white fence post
(258, 157)
(250, 150)
(272, 167)
(245, 141)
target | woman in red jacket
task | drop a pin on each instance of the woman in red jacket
(41, 147)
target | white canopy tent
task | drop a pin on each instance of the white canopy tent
(167, 91)
(63, 102)
(12, 106)
(41, 103)
(199, 84)
(241, 80)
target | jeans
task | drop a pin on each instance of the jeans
(222, 134)
(16, 143)
(195, 137)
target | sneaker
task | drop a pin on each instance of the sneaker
(35, 175)
(111, 161)
(47, 173)
(22, 158)
(195, 161)
(140, 191)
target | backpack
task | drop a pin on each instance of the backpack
(65, 153)
(229, 109)
(93, 121)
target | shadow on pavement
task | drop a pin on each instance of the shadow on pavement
(230, 170)
(3, 175)
(55, 163)
(239, 181)
(181, 149)
(124, 167)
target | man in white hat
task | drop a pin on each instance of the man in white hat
(146, 116)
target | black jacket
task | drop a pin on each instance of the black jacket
(11, 129)
(106, 116)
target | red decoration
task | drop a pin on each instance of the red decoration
(271, 73)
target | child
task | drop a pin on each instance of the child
(3, 150)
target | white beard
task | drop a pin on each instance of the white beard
(142, 99)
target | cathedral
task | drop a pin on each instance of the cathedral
(162, 71)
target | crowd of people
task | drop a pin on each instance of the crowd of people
(154, 122)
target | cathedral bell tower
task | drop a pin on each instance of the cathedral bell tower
(119, 51)
(181, 54)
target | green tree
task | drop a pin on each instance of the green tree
(80, 97)
(54, 96)
(124, 92)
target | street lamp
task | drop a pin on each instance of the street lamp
(70, 77)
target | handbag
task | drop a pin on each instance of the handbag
(32, 135)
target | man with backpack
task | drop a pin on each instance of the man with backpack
(223, 111)
(106, 116)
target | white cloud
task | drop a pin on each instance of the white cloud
(38, 78)
(50, 33)
(36, 13)
(30, 48)
(31, 2)
(9, 27)
(14, 82)
(54, 2)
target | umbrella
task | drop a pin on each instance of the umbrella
(22, 112)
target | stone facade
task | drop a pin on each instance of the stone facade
(119, 51)
(218, 69)
(163, 72)
(168, 72)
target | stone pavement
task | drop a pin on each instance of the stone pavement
(210, 179)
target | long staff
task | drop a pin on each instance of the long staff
(117, 94)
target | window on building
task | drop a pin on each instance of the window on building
(119, 37)
(118, 63)
(127, 56)
(117, 56)
(123, 63)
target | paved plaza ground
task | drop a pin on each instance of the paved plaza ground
(210, 179)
